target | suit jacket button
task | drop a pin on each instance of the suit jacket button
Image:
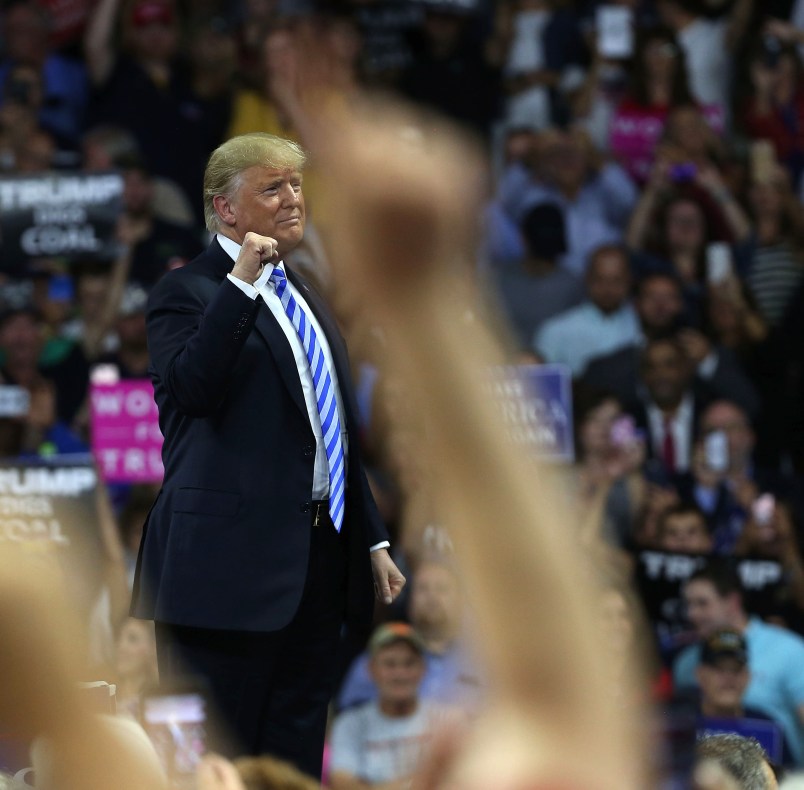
(305, 507)
(308, 451)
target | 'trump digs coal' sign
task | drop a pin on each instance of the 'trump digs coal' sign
(126, 438)
(58, 215)
(48, 511)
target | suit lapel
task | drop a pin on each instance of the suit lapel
(219, 264)
(280, 349)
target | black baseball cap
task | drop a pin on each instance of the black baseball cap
(724, 644)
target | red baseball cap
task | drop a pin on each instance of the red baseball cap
(151, 12)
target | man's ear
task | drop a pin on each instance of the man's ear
(224, 209)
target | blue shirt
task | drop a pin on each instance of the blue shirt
(596, 216)
(577, 335)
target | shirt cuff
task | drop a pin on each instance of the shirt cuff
(383, 544)
(708, 365)
(249, 290)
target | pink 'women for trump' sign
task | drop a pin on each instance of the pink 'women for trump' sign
(126, 439)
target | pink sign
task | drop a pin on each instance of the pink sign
(126, 439)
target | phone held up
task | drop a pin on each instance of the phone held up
(176, 719)
(716, 451)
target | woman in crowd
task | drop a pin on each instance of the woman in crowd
(658, 84)
(606, 476)
(670, 232)
(134, 665)
(774, 108)
(772, 258)
(684, 207)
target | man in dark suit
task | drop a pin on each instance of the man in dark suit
(247, 566)
(659, 304)
(669, 409)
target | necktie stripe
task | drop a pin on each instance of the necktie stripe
(327, 409)
(333, 443)
(339, 477)
(338, 469)
(326, 402)
(317, 368)
(316, 355)
(329, 437)
(302, 330)
(337, 510)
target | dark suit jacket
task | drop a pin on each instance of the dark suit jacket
(654, 468)
(618, 373)
(227, 540)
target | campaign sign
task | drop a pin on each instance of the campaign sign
(126, 439)
(49, 524)
(535, 402)
(48, 512)
(70, 214)
(767, 732)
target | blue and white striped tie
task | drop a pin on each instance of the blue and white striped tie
(324, 393)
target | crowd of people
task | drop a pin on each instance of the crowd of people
(638, 221)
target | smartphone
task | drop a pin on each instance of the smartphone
(14, 401)
(771, 50)
(682, 173)
(716, 451)
(763, 161)
(763, 509)
(718, 262)
(624, 432)
(615, 31)
(176, 720)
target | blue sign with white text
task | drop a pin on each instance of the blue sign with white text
(536, 406)
(767, 732)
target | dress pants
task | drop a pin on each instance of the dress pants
(270, 691)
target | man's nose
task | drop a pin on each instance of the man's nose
(290, 196)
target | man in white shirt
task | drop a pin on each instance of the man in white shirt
(382, 740)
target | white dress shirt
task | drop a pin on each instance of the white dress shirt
(681, 425)
(265, 288)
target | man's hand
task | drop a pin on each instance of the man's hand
(703, 474)
(388, 581)
(415, 211)
(256, 252)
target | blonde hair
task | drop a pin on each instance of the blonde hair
(229, 160)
